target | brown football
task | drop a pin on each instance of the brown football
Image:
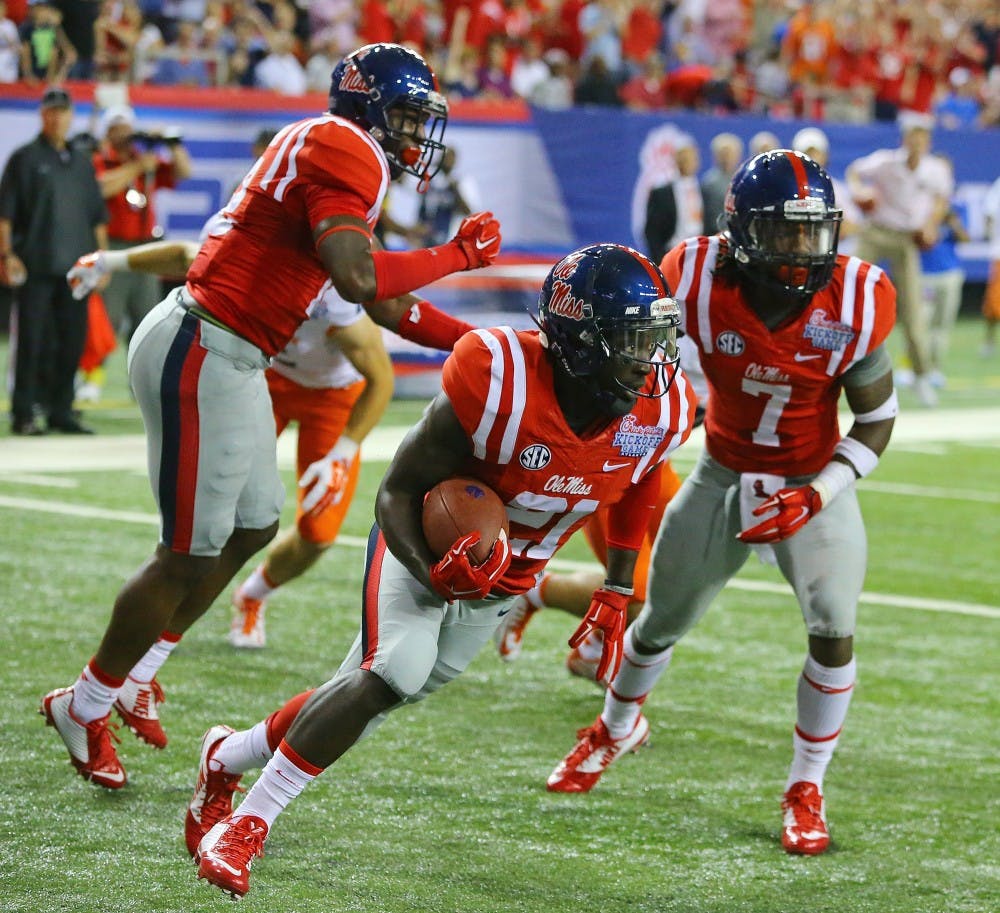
(456, 507)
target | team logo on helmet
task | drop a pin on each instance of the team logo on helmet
(353, 81)
(564, 304)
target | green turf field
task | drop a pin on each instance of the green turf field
(445, 809)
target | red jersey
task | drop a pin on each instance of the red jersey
(126, 221)
(501, 386)
(772, 401)
(258, 271)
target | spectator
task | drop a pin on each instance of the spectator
(643, 35)
(493, 79)
(555, 92)
(943, 279)
(601, 23)
(78, 21)
(763, 141)
(333, 27)
(727, 153)
(51, 212)
(182, 63)
(960, 106)
(116, 33)
(675, 211)
(130, 170)
(598, 86)
(530, 70)
(906, 193)
(321, 64)
(46, 53)
(647, 90)
(10, 47)
(280, 71)
(808, 47)
(461, 78)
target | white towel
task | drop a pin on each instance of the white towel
(755, 489)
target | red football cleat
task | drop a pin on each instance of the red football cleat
(136, 705)
(227, 851)
(213, 791)
(804, 829)
(90, 749)
(580, 770)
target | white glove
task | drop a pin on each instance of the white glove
(85, 275)
(327, 478)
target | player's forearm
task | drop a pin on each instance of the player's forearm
(161, 258)
(621, 566)
(371, 404)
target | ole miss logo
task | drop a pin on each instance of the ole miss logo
(353, 81)
(564, 304)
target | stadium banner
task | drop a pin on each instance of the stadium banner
(555, 179)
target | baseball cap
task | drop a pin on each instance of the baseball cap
(117, 114)
(56, 98)
(810, 138)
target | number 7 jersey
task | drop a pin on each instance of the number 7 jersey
(500, 384)
(773, 393)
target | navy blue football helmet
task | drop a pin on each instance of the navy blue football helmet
(782, 222)
(390, 92)
(608, 319)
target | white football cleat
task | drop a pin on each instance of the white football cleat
(509, 636)
(246, 632)
(89, 744)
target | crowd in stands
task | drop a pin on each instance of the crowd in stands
(835, 60)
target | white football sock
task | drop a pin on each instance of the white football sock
(257, 585)
(92, 698)
(638, 674)
(534, 595)
(280, 782)
(824, 694)
(156, 656)
(244, 750)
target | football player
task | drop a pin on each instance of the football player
(783, 325)
(334, 379)
(559, 422)
(300, 221)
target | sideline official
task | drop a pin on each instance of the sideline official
(51, 212)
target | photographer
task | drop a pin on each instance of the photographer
(131, 166)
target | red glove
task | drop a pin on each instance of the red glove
(478, 237)
(455, 577)
(794, 507)
(607, 613)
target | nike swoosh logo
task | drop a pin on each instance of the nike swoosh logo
(611, 467)
(482, 245)
(118, 777)
(222, 862)
(501, 614)
(803, 514)
(800, 357)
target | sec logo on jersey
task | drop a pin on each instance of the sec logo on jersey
(536, 456)
(729, 342)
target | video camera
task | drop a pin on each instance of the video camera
(169, 137)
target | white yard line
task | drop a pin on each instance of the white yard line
(948, 606)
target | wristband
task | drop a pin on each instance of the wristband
(832, 480)
(621, 590)
(888, 409)
(113, 261)
(859, 455)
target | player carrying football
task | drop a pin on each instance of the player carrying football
(783, 324)
(558, 422)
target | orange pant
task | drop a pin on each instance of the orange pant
(321, 415)
(991, 300)
(596, 531)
